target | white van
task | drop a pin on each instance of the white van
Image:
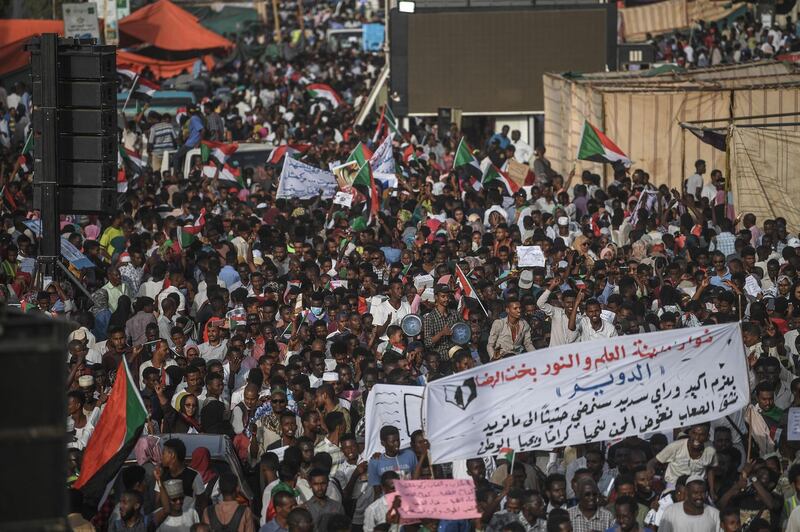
(248, 155)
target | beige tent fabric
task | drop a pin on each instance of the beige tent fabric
(567, 106)
(764, 163)
(647, 126)
(641, 112)
(557, 111)
(655, 18)
(670, 15)
(755, 102)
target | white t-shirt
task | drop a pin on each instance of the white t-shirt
(694, 182)
(149, 364)
(676, 456)
(213, 352)
(709, 192)
(675, 519)
(587, 332)
(383, 310)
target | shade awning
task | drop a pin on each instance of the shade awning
(165, 25)
(160, 68)
(14, 33)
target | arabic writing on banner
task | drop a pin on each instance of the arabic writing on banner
(391, 404)
(300, 180)
(74, 255)
(437, 499)
(382, 164)
(68, 251)
(590, 391)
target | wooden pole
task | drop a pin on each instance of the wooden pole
(300, 19)
(749, 431)
(277, 21)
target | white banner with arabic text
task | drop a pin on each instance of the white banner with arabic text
(591, 391)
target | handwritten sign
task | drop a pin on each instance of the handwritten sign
(793, 424)
(588, 392)
(390, 404)
(437, 499)
(343, 198)
(382, 164)
(301, 180)
(530, 256)
(517, 171)
(751, 286)
(423, 281)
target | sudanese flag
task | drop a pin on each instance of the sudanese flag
(115, 436)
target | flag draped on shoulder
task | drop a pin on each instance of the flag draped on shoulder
(493, 173)
(464, 158)
(324, 92)
(218, 150)
(117, 431)
(596, 147)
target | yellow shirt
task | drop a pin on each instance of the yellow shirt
(108, 235)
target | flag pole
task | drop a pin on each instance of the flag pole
(476, 293)
(380, 124)
(130, 91)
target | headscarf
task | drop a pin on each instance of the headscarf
(201, 462)
(148, 450)
(212, 418)
(123, 313)
(577, 246)
(99, 301)
(280, 486)
(191, 421)
(780, 279)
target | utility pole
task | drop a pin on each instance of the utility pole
(301, 18)
(277, 18)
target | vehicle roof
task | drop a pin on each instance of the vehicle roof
(249, 146)
(163, 95)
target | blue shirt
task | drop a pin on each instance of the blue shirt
(404, 464)
(195, 131)
(719, 280)
(272, 526)
(502, 141)
(229, 275)
(391, 254)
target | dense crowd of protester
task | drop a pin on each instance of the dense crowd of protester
(741, 40)
(271, 328)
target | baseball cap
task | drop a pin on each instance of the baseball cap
(525, 279)
(695, 478)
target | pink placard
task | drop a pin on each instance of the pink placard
(437, 499)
